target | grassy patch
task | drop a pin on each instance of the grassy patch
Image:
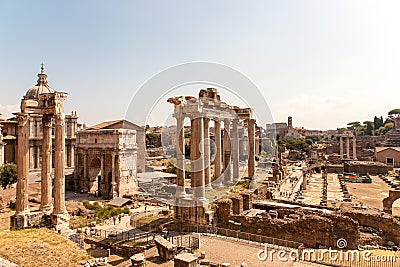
(39, 247)
(105, 212)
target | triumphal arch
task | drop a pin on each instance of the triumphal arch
(42, 100)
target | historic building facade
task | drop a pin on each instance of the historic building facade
(9, 131)
(108, 156)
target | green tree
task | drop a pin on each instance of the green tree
(368, 127)
(394, 113)
(8, 175)
(298, 144)
(378, 122)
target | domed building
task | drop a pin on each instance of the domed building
(10, 129)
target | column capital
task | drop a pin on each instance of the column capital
(23, 118)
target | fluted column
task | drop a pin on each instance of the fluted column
(348, 146)
(252, 159)
(235, 150)
(196, 158)
(217, 159)
(206, 149)
(22, 205)
(180, 157)
(59, 166)
(354, 147)
(46, 204)
(341, 146)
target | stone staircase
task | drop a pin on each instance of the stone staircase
(393, 138)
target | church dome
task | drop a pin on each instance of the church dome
(41, 87)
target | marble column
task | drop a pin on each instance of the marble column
(235, 150)
(227, 153)
(217, 159)
(59, 166)
(206, 149)
(46, 204)
(22, 205)
(348, 146)
(180, 157)
(354, 148)
(252, 159)
(341, 146)
(197, 158)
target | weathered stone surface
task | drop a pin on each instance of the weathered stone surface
(185, 260)
(166, 250)
(6, 263)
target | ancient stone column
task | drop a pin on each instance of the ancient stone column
(252, 158)
(113, 173)
(102, 173)
(355, 147)
(207, 162)
(37, 159)
(59, 166)
(227, 153)
(22, 205)
(72, 156)
(348, 146)
(86, 182)
(217, 159)
(46, 164)
(257, 145)
(32, 151)
(196, 158)
(180, 157)
(235, 150)
(341, 146)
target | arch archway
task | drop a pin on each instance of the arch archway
(94, 172)
(388, 202)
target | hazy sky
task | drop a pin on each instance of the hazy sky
(325, 63)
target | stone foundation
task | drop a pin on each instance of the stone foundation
(29, 220)
(60, 221)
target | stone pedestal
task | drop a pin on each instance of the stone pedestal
(18, 222)
(60, 221)
(138, 260)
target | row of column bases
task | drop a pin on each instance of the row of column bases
(57, 207)
(200, 154)
(341, 144)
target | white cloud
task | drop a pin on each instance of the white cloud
(7, 110)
